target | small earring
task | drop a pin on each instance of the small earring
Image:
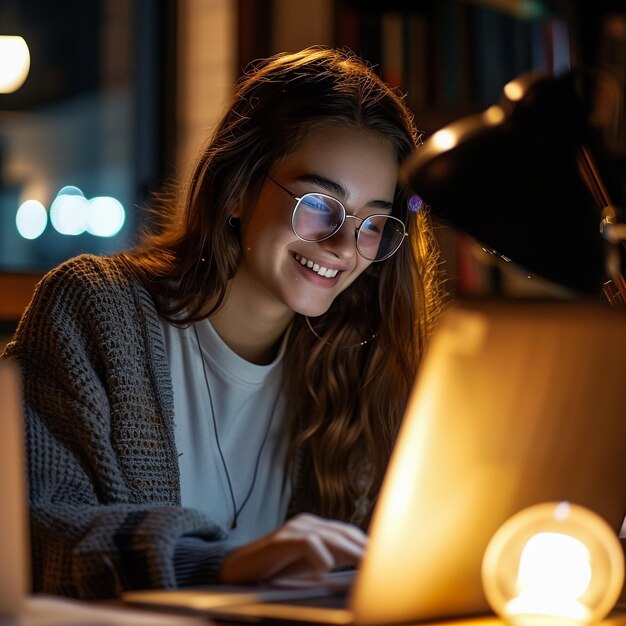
(233, 221)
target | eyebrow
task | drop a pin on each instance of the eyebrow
(332, 187)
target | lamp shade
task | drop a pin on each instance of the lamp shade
(509, 177)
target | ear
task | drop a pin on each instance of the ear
(237, 211)
(248, 198)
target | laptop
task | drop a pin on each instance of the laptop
(516, 403)
(18, 606)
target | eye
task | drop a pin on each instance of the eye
(316, 203)
(372, 227)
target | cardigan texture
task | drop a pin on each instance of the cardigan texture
(104, 486)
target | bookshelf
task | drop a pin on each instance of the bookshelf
(451, 57)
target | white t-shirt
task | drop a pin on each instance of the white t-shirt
(248, 404)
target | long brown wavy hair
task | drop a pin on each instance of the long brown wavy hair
(345, 400)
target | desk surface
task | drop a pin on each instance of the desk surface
(43, 610)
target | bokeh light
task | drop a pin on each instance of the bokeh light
(14, 63)
(105, 216)
(71, 213)
(31, 219)
(68, 213)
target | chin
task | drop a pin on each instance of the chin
(311, 309)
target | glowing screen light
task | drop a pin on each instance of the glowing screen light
(14, 63)
(31, 219)
(68, 212)
(105, 216)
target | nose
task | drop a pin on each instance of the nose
(343, 242)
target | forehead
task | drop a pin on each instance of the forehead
(349, 155)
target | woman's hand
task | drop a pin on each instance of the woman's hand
(305, 545)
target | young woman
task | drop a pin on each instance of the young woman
(221, 402)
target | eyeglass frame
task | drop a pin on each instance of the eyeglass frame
(346, 215)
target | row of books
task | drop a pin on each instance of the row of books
(455, 57)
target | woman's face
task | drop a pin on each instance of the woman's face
(356, 167)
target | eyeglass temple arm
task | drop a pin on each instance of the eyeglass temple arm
(283, 188)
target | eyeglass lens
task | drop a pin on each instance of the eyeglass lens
(317, 217)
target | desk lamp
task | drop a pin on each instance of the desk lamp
(519, 179)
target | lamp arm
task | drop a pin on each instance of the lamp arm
(612, 229)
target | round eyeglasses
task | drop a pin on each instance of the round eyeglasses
(318, 216)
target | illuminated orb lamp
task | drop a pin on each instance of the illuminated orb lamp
(553, 564)
(14, 63)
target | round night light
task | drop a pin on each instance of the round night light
(553, 564)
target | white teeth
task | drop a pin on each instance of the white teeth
(318, 269)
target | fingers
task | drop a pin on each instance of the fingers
(312, 523)
(344, 542)
(297, 554)
(306, 544)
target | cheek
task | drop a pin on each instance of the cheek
(265, 239)
(254, 231)
(361, 266)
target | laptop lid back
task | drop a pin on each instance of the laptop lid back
(516, 403)
(14, 560)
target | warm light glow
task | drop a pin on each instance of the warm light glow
(14, 63)
(410, 491)
(513, 91)
(444, 139)
(31, 219)
(553, 563)
(494, 115)
(554, 572)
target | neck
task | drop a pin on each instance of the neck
(250, 330)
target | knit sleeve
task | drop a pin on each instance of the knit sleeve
(103, 478)
(99, 550)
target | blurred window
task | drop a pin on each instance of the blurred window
(82, 140)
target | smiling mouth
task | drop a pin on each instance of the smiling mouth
(315, 267)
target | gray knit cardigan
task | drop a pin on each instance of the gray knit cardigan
(102, 463)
